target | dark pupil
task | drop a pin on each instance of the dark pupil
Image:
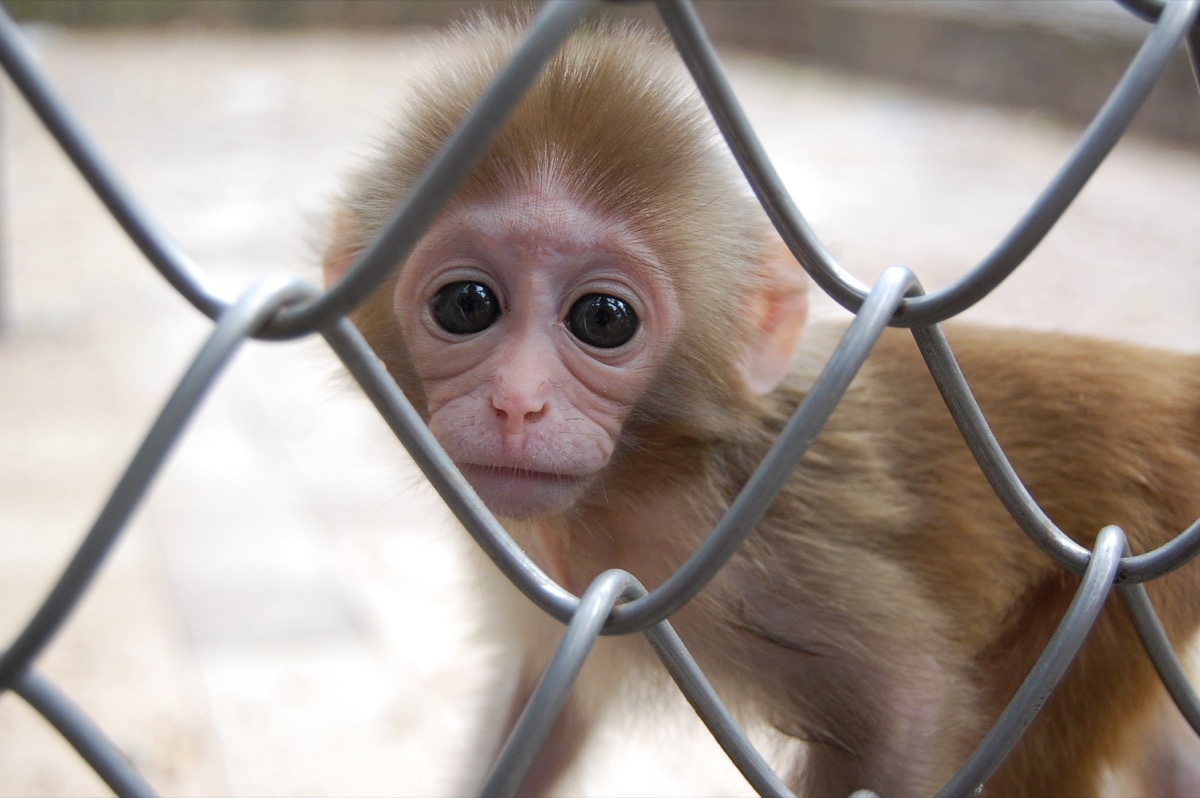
(464, 308)
(602, 321)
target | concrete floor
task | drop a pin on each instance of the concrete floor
(289, 611)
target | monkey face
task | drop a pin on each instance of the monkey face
(534, 325)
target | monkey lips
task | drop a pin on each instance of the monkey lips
(521, 493)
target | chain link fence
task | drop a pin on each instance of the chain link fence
(284, 308)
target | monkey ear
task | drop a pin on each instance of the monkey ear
(777, 309)
(341, 252)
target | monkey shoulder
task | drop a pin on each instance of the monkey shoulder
(1046, 374)
(1055, 390)
(1087, 424)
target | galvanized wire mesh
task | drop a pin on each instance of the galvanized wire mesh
(286, 307)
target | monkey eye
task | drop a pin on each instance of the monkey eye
(465, 308)
(602, 321)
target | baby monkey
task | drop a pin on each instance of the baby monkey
(606, 338)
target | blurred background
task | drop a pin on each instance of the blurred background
(289, 612)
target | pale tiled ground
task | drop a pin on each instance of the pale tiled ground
(285, 615)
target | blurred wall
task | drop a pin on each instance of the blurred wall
(1060, 57)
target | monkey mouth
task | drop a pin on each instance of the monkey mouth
(522, 493)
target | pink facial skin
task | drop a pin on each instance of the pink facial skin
(528, 410)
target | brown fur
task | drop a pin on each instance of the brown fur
(887, 607)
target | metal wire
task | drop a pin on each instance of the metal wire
(1097, 141)
(549, 29)
(87, 738)
(1048, 670)
(234, 325)
(548, 699)
(771, 475)
(162, 252)
(615, 603)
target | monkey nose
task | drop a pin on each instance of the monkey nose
(519, 396)
(514, 416)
